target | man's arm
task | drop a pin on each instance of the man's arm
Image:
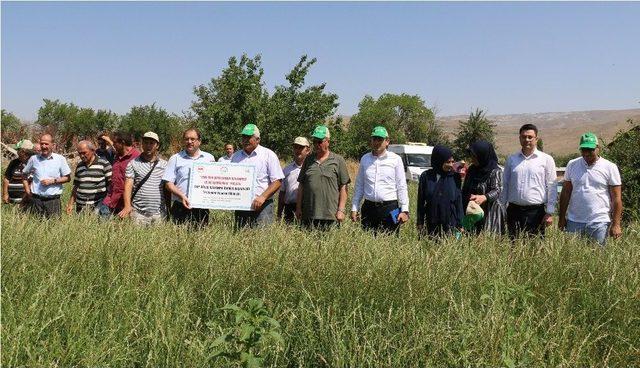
(565, 196)
(72, 200)
(616, 198)
(506, 176)
(280, 204)
(178, 193)
(342, 201)
(299, 202)
(128, 189)
(271, 189)
(5, 190)
(358, 192)
(552, 191)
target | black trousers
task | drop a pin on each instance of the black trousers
(45, 206)
(289, 213)
(376, 216)
(195, 216)
(525, 220)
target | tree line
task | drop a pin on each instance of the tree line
(237, 96)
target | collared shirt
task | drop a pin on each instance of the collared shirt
(114, 198)
(92, 181)
(53, 167)
(381, 178)
(321, 182)
(290, 183)
(590, 197)
(266, 164)
(225, 158)
(179, 167)
(530, 180)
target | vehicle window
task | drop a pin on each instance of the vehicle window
(419, 160)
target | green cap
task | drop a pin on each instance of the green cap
(250, 129)
(380, 132)
(588, 140)
(321, 132)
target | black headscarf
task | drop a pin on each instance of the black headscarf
(477, 174)
(446, 191)
(439, 156)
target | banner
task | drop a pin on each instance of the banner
(222, 186)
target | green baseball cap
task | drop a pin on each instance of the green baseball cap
(321, 132)
(588, 140)
(250, 129)
(380, 132)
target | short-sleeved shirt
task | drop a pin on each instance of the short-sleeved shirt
(290, 183)
(115, 191)
(590, 198)
(179, 169)
(150, 197)
(14, 175)
(92, 181)
(321, 182)
(224, 158)
(53, 167)
(266, 164)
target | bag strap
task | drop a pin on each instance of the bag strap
(135, 191)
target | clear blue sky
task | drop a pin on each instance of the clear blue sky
(503, 57)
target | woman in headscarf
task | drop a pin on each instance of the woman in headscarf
(439, 206)
(483, 184)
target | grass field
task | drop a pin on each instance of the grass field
(77, 292)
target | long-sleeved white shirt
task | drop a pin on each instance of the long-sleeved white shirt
(381, 178)
(530, 180)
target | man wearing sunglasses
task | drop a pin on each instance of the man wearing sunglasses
(592, 186)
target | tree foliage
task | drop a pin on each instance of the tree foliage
(476, 127)
(12, 128)
(623, 151)
(144, 118)
(406, 118)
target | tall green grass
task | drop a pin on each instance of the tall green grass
(79, 292)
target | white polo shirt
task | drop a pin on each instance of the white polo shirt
(381, 178)
(266, 163)
(590, 197)
(290, 183)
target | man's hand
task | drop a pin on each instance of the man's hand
(403, 217)
(298, 213)
(69, 208)
(354, 216)
(562, 223)
(340, 215)
(48, 181)
(547, 220)
(257, 203)
(5, 197)
(479, 199)
(125, 212)
(185, 202)
(615, 231)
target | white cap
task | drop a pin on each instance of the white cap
(25, 144)
(301, 141)
(151, 135)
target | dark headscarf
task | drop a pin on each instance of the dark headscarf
(477, 174)
(446, 190)
(439, 156)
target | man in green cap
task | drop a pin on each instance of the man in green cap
(268, 178)
(323, 178)
(381, 181)
(592, 185)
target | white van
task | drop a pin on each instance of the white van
(416, 158)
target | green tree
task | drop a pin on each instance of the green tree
(477, 127)
(623, 151)
(294, 110)
(224, 105)
(12, 128)
(142, 119)
(405, 116)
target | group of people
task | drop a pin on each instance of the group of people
(115, 179)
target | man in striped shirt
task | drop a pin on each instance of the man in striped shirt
(12, 187)
(91, 179)
(143, 189)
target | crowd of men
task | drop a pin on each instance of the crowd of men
(115, 180)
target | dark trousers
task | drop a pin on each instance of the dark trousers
(194, 217)
(253, 219)
(289, 213)
(376, 216)
(322, 225)
(525, 220)
(45, 206)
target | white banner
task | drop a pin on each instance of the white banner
(222, 186)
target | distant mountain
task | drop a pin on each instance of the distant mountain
(559, 131)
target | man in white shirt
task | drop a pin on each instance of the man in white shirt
(289, 189)
(268, 178)
(228, 150)
(592, 184)
(381, 181)
(529, 187)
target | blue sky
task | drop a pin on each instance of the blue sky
(502, 57)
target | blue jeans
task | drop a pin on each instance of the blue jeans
(594, 230)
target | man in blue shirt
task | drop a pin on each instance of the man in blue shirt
(176, 178)
(49, 171)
